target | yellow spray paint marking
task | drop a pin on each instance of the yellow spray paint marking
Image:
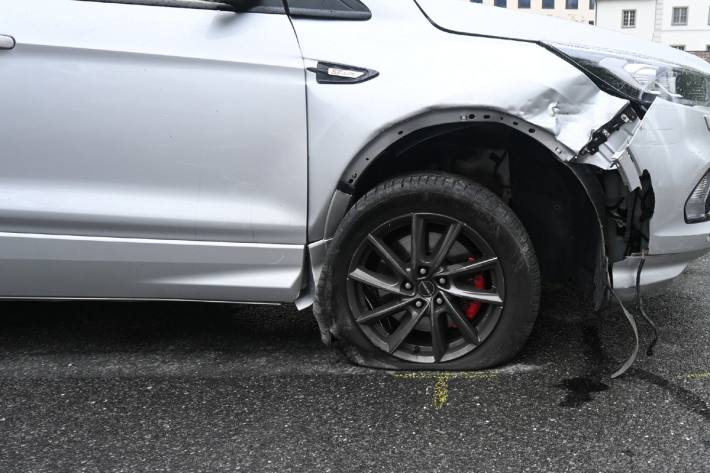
(701, 375)
(441, 385)
(441, 391)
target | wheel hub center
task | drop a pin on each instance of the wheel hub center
(426, 288)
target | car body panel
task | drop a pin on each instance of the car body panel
(462, 16)
(167, 152)
(673, 145)
(81, 267)
(445, 73)
(153, 123)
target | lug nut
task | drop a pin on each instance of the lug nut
(442, 280)
(422, 271)
(439, 300)
(407, 285)
(418, 304)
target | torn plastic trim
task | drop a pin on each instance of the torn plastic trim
(393, 133)
(601, 279)
(634, 328)
(313, 266)
(602, 134)
(339, 205)
(463, 115)
(608, 147)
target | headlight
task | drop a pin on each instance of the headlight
(640, 78)
(697, 207)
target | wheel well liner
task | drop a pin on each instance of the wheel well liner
(423, 126)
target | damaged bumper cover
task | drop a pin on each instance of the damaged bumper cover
(672, 144)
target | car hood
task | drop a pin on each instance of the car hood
(464, 17)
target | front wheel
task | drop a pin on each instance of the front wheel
(430, 271)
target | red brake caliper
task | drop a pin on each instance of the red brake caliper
(479, 282)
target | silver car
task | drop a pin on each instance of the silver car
(414, 169)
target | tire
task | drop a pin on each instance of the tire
(463, 333)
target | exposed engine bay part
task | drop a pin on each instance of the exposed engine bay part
(627, 216)
(603, 134)
(608, 147)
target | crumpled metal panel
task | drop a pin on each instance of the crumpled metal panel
(424, 70)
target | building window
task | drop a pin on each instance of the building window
(707, 48)
(680, 16)
(592, 4)
(500, 3)
(678, 46)
(628, 18)
(523, 3)
(476, 1)
(571, 4)
(548, 4)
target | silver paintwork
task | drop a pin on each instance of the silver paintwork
(658, 272)
(160, 124)
(36, 265)
(446, 77)
(6, 42)
(673, 144)
(169, 153)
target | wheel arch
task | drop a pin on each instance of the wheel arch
(395, 141)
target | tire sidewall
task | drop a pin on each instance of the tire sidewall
(485, 214)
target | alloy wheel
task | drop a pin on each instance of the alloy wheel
(425, 288)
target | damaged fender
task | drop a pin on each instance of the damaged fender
(519, 84)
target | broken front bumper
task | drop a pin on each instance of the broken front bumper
(672, 143)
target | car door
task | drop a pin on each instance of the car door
(150, 150)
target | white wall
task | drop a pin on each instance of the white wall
(582, 14)
(695, 36)
(609, 16)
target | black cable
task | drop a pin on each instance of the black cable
(632, 323)
(639, 303)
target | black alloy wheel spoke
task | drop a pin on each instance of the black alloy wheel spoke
(445, 244)
(378, 281)
(488, 297)
(418, 249)
(388, 255)
(405, 328)
(469, 333)
(439, 342)
(384, 310)
(455, 270)
(418, 309)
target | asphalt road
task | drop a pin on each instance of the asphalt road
(136, 387)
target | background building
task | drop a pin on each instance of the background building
(575, 10)
(684, 24)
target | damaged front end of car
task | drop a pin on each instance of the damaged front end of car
(654, 155)
(653, 159)
(597, 152)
